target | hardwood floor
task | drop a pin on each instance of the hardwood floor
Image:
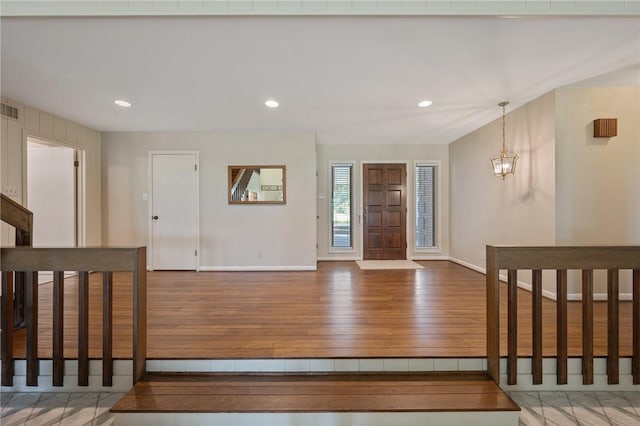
(162, 393)
(337, 311)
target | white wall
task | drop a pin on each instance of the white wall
(519, 210)
(235, 237)
(381, 153)
(42, 125)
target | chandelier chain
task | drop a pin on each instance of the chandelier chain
(504, 150)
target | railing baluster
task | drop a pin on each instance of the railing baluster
(83, 328)
(7, 329)
(587, 326)
(493, 316)
(635, 361)
(512, 327)
(613, 331)
(107, 329)
(140, 315)
(58, 328)
(536, 321)
(19, 300)
(31, 319)
(561, 326)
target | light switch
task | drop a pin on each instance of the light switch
(144, 197)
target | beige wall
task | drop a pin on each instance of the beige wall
(518, 210)
(410, 154)
(569, 188)
(231, 236)
(598, 179)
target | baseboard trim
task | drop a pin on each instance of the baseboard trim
(428, 257)
(339, 259)
(274, 268)
(316, 365)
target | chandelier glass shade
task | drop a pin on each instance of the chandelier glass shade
(504, 163)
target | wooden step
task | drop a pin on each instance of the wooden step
(282, 399)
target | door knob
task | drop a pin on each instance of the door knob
(154, 217)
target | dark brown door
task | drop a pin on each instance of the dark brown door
(385, 211)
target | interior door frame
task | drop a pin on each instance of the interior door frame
(409, 193)
(149, 200)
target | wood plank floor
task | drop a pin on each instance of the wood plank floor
(336, 311)
(314, 393)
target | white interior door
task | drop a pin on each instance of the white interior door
(51, 194)
(174, 211)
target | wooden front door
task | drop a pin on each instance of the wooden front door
(385, 211)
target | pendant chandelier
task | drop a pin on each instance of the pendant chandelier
(504, 163)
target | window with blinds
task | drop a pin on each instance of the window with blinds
(425, 206)
(341, 206)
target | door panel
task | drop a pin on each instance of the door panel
(174, 211)
(384, 228)
(51, 188)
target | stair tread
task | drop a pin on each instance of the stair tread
(235, 393)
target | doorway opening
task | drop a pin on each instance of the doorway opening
(55, 195)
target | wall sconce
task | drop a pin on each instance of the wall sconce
(605, 127)
(503, 163)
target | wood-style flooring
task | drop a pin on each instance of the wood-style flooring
(336, 311)
(163, 393)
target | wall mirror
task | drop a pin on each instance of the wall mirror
(257, 185)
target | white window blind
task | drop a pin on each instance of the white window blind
(341, 206)
(425, 206)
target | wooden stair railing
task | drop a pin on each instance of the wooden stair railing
(612, 259)
(29, 261)
(240, 182)
(21, 219)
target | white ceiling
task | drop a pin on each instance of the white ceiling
(349, 79)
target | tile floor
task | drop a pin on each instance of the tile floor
(578, 408)
(538, 408)
(91, 408)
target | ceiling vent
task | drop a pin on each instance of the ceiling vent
(9, 111)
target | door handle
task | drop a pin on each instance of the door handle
(154, 217)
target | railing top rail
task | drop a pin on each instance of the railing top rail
(100, 259)
(15, 215)
(565, 257)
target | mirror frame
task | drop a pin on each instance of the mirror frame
(257, 166)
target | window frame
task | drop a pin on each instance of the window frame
(436, 208)
(331, 248)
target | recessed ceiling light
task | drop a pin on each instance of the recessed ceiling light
(271, 103)
(425, 103)
(122, 103)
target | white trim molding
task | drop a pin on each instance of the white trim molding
(339, 258)
(321, 8)
(249, 268)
